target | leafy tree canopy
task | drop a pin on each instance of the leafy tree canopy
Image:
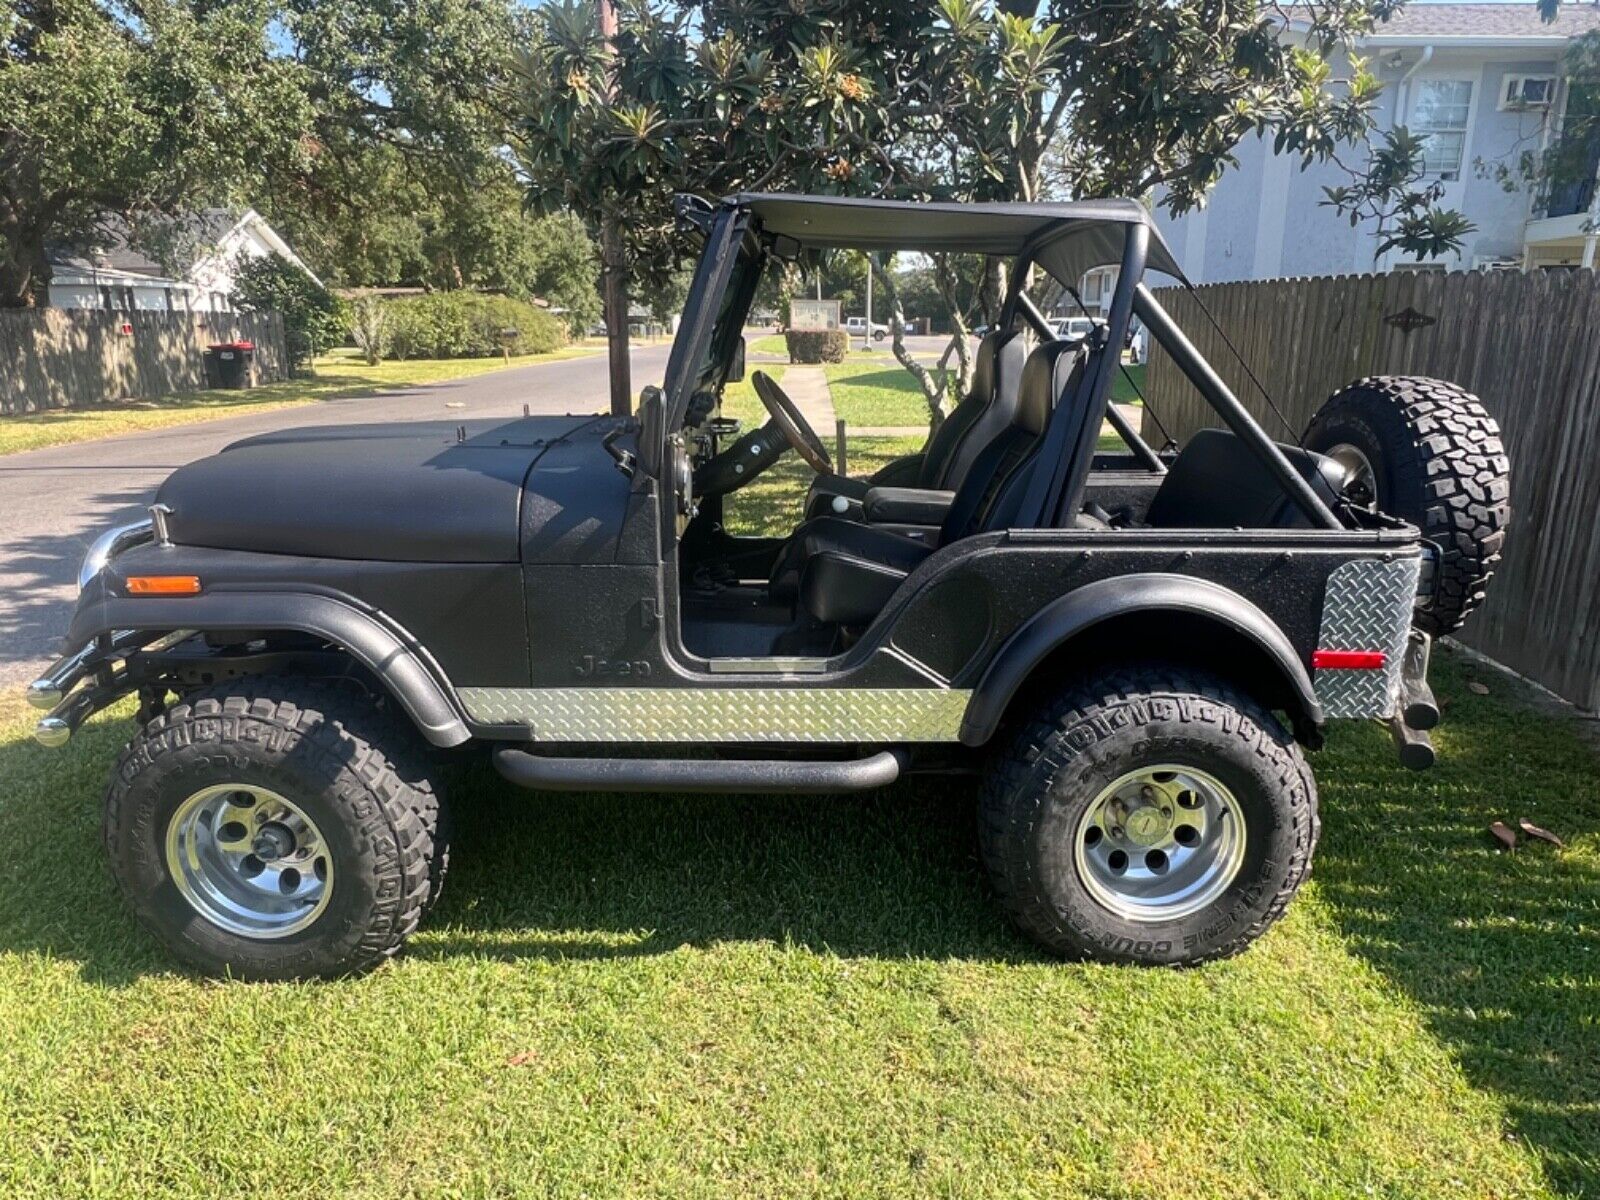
(102, 112)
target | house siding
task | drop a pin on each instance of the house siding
(1266, 218)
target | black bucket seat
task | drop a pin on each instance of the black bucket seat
(845, 571)
(982, 415)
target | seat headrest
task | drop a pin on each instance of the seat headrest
(1044, 376)
(985, 362)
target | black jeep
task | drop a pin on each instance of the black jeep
(1129, 649)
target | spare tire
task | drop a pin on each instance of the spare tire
(1428, 452)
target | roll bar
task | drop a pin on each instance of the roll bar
(1209, 384)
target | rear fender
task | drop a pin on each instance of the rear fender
(1080, 611)
(396, 660)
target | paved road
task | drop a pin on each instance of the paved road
(54, 502)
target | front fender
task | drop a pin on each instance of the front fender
(1082, 609)
(391, 654)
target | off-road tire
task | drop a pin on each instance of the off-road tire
(1439, 464)
(1100, 729)
(329, 749)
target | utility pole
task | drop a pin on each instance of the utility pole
(866, 339)
(614, 269)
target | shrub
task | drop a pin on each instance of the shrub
(816, 345)
(313, 319)
(469, 325)
(369, 328)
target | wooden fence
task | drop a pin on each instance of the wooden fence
(65, 357)
(1528, 345)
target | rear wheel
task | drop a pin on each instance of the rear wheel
(1152, 816)
(276, 829)
(1429, 453)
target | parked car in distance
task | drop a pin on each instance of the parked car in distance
(1074, 329)
(1138, 346)
(857, 327)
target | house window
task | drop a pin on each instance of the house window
(1420, 268)
(1441, 112)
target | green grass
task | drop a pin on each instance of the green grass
(773, 343)
(876, 392)
(1122, 391)
(710, 995)
(340, 376)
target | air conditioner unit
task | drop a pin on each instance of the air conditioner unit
(1485, 262)
(1528, 91)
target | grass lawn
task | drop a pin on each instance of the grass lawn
(340, 375)
(876, 391)
(707, 995)
(1122, 391)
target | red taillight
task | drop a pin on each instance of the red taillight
(1349, 660)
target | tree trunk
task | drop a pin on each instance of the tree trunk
(946, 276)
(614, 292)
(22, 268)
(933, 390)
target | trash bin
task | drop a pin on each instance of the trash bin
(231, 365)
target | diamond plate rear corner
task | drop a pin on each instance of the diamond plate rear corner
(1367, 606)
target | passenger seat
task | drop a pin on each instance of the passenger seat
(846, 571)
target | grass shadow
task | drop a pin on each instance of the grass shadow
(1500, 951)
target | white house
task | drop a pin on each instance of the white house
(1485, 83)
(117, 276)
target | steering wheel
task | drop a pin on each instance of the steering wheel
(795, 427)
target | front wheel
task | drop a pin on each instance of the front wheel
(1151, 816)
(276, 829)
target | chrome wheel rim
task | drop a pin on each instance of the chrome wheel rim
(249, 860)
(1160, 843)
(1360, 480)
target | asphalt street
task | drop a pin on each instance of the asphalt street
(54, 502)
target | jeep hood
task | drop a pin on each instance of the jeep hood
(429, 491)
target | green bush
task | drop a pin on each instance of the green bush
(468, 325)
(314, 320)
(816, 345)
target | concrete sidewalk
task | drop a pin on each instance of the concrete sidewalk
(807, 386)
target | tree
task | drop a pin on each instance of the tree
(104, 113)
(313, 319)
(943, 99)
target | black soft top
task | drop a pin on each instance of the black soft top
(1068, 238)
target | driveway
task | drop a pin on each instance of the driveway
(54, 502)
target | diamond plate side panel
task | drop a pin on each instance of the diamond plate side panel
(1367, 606)
(724, 714)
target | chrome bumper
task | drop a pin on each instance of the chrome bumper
(112, 543)
(71, 705)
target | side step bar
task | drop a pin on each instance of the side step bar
(544, 773)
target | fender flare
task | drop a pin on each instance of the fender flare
(1070, 615)
(389, 652)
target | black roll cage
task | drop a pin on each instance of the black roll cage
(1053, 495)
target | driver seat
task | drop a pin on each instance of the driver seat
(981, 416)
(848, 571)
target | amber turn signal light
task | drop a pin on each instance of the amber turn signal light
(163, 585)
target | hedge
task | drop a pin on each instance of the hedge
(468, 325)
(816, 345)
